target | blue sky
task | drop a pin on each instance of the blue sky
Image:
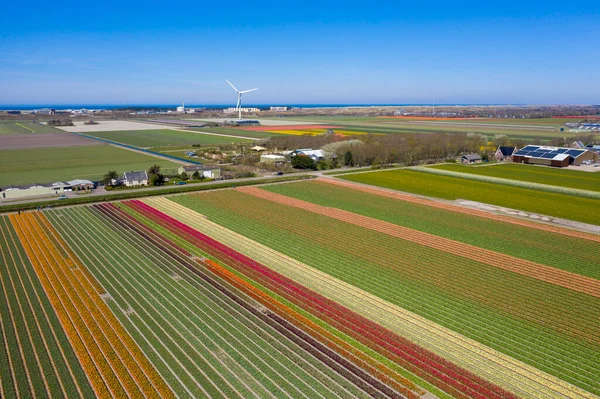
(519, 52)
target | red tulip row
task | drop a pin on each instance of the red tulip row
(427, 365)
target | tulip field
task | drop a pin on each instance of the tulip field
(318, 289)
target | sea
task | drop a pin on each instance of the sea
(159, 107)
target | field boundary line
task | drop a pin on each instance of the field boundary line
(390, 193)
(59, 345)
(527, 268)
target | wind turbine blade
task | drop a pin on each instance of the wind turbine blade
(232, 85)
(247, 91)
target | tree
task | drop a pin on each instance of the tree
(196, 175)
(501, 140)
(184, 176)
(109, 177)
(303, 162)
(154, 170)
(156, 179)
(348, 161)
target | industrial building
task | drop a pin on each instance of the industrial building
(35, 190)
(554, 156)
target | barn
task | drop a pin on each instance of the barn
(504, 153)
(554, 156)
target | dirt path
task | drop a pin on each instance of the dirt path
(527, 268)
(456, 208)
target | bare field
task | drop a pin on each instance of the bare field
(48, 140)
(264, 122)
(109, 126)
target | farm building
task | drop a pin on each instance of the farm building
(554, 156)
(316, 155)
(504, 153)
(273, 158)
(247, 122)
(33, 191)
(133, 179)
(208, 171)
(577, 144)
(470, 158)
(80, 185)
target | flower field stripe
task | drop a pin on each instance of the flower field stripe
(114, 341)
(252, 308)
(442, 205)
(344, 349)
(548, 274)
(138, 261)
(44, 359)
(558, 314)
(123, 382)
(24, 384)
(84, 344)
(234, 242)
(187, 263)
(298, 320)
(138, 365)
(251, 263)
(61, 354)
(463, 350)
(181, 374)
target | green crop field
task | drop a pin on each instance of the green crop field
(527, 129)
(453, 188)
(531, 173)
(43, 165)
(516, 315)
(162, 137)
(26, 127)
(235, 132)
(552, 249)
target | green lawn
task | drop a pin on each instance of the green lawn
(530, 173)
(45, 165)
(556, 250)
(162, 137)
(452, 188)
(26, 127)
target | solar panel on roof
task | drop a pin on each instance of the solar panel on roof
(521, 152)
(548, 155)
(575, 153)
(530, 148)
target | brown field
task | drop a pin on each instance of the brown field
(47, 140)
(527, 268)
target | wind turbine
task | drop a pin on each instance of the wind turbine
(239, 101)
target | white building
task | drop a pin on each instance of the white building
(278, 109)
(133, 179)
(246, 110)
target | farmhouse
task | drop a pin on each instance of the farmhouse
(504, 153)
(470, 158)
(208, 171)
(80, 185)
(133, 179)
(554, 156)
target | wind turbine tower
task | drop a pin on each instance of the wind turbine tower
(239, 100)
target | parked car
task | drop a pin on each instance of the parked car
(181, 183)
(63, 197)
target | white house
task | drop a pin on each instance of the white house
(208, 171)
(316, 155)
(133, 179)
